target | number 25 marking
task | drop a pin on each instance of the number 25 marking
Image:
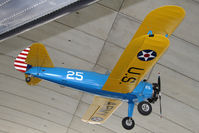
(74, 75)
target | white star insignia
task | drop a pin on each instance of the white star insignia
(146, 55)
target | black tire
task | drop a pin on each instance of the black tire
(144, 108)
(28, 79)
(128, 123)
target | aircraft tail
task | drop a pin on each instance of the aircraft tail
(34, 56)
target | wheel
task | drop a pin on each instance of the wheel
(28, 79)
(144, 108)
(128, 123)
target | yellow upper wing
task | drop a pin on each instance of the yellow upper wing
(100, 110)
(137, 59)
(132, 65)
(163, 20)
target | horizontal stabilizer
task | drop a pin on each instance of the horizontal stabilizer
(38, 56)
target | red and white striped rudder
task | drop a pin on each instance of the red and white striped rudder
(20, 62)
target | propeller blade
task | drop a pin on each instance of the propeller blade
(159, 95)
(160, 101)
(159, 82)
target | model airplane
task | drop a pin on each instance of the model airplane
(124, 83)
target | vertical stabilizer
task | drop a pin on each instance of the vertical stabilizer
(34, 56)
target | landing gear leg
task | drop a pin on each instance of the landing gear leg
(128, 123)
(130, 109)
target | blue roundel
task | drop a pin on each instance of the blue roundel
(146, 55)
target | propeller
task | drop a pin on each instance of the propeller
(159, 95)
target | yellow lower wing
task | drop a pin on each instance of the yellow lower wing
(100, 110)
(137, 59)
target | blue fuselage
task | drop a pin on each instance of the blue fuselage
(88, 81)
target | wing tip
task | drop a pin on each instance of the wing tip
(173, 8)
